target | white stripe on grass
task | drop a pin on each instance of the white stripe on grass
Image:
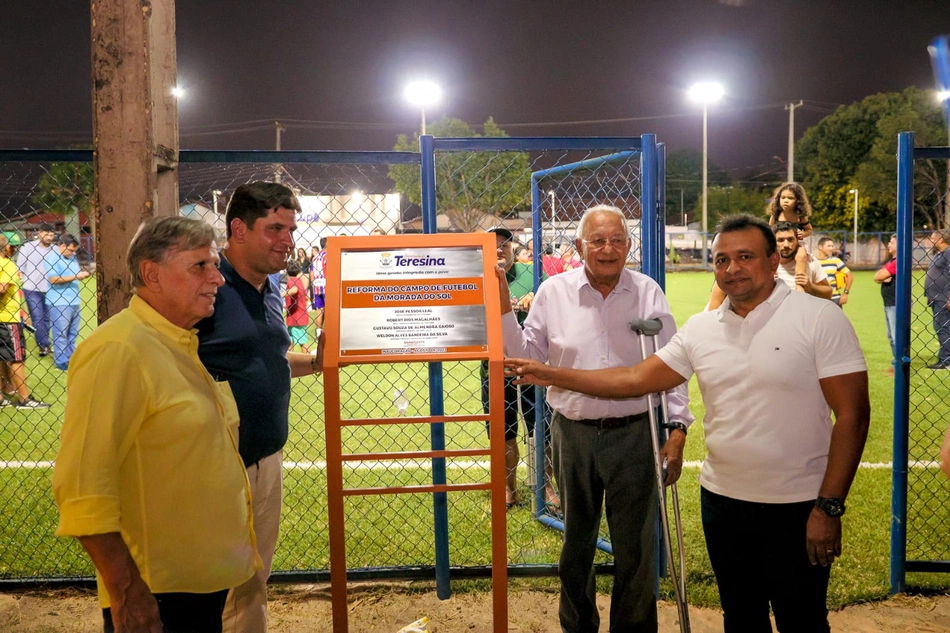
(426, 464)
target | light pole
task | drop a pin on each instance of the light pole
(553, 214)
(422, 94)
(706, 93)
(854, 256)
(791, 138)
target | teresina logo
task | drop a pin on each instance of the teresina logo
(419, 261)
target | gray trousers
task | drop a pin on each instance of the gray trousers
(591, 465)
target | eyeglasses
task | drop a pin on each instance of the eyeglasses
(615, 241)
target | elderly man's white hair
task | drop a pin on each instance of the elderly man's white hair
(600, 208)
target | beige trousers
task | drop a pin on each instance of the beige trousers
(246, 608)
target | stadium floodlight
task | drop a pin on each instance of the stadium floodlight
(705, 93)
(423, 93)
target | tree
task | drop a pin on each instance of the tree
(684, 171)
(856, 147)
(65, 188)
(469, 185)
(731, 200)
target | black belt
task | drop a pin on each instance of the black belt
(614, 423)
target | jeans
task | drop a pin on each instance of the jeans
(942, 329)
(890, 317)
(183, 612)
(758, 554)
(39, 315)
(65, 331)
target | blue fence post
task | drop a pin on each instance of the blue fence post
(648, 208)
(905, 232)
(440, 505)
(661, 212)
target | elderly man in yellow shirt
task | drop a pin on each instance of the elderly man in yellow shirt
(148, 476)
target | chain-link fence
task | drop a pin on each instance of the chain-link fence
(539, 196)
(47, 305)
(921, 318)
(341, 194)
(684, 247)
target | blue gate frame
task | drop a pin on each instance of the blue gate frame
(907, 154)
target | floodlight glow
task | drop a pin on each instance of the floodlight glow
(422, 93)
(706, 92)
(943, 95)
(178, 92)
(356, 196)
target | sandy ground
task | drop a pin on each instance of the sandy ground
(387, 608)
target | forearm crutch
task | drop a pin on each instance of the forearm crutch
(649, 328)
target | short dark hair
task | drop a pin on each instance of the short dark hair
(822, 240)
(784, 226)
(743, 221)
(254, 200)
(293, 268)
(68, 240)
(323, 242)
(46, 227)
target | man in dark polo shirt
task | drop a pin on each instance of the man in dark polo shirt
(246, 344)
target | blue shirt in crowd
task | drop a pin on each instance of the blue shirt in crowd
(58, 266)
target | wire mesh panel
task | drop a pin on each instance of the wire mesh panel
(341, 194)
(47, 305)
(928, 491)
(479, 189)
(337, 198)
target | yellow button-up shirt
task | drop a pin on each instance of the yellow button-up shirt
(149, 449)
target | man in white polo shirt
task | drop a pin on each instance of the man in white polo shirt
(814, 281)
(772, 366)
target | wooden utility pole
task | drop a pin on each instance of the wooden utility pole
(135, 132)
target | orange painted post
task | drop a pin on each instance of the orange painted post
(364, 280)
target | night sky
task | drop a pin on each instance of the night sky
(342, 67)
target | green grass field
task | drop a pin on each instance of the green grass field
(388, 530)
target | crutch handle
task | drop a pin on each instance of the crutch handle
(646, 327)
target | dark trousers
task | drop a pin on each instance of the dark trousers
(184, 612)
(942, 329)
(592, 466)
(758, 554)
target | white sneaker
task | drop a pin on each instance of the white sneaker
(30, 403)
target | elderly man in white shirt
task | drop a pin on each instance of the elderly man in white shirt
(602, 450)
(772, 365)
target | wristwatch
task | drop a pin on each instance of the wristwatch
(846, 291)
(831, 506)
(676, 425)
